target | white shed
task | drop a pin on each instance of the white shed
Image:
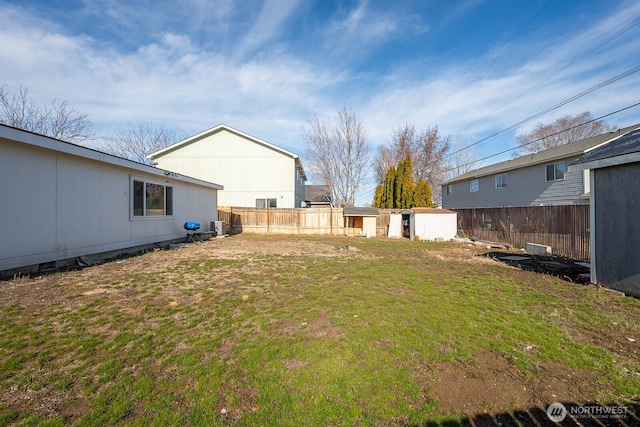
(61, 201)
(424, 223)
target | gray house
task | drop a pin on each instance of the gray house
(614, 207)
(539, 179)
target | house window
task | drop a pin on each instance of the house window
(501, 180)
(474, 186)
(449, 189)
(555, 172)
(267, 203)
(151, 199)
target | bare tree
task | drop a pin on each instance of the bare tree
(562, 131)
(462, 159)
(427, 149)
(138, 141)
(338, 154)
(59, 120)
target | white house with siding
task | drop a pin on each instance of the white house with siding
(539, 179)
(60, 202)
(254, 172)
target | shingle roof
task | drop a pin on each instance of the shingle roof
(317, 193)
(352, 211)
(576, 148)
(627, 145)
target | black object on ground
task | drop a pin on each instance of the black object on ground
(565, 268)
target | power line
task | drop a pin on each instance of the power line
(553, 75)
(486, 61)
(554, 107)
(540, 139)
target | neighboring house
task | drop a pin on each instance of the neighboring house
(61, 201)
(317, 196)
(539, 179)
(254, 172)
(614, 207)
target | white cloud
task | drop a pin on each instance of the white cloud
(184, 76)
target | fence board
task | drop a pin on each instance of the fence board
(282, 220)
(564, 228)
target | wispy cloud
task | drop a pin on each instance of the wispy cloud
(268, 25)
(190, 65)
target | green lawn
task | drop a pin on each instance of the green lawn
(290, 331)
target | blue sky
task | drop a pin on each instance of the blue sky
(470, 67)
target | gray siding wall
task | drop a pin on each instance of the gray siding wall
(299, 186)
(617, 230)
(525, 187)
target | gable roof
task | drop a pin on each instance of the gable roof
(222, 127)
(625, 149)
(13, 134)
(572, 149)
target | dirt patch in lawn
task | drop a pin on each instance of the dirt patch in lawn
(486, 383)
(490, 383)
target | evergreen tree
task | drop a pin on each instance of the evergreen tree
(405, 185)
(377, 198)
(423, 196)
(399, 190)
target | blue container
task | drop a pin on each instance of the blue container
(191, 225)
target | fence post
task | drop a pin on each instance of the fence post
(331, 221)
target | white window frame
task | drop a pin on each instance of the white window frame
(474, 186)
(449, 189)
(266, 202)
(555, 169)
(501, 180)
(168, 198)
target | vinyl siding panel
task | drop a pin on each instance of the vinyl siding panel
(246, 169)
(62, 206)
(525, 187)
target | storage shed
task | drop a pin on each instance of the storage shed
(614, 207)
(360, 221)
(434, 224)
(425, 223)
(62, 203)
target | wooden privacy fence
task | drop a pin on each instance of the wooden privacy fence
(328, 221)
(564, 228)
(282, 220)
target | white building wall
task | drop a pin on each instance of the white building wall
(61, 206)
(247, 169)
(395, 226)
(438, 225)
